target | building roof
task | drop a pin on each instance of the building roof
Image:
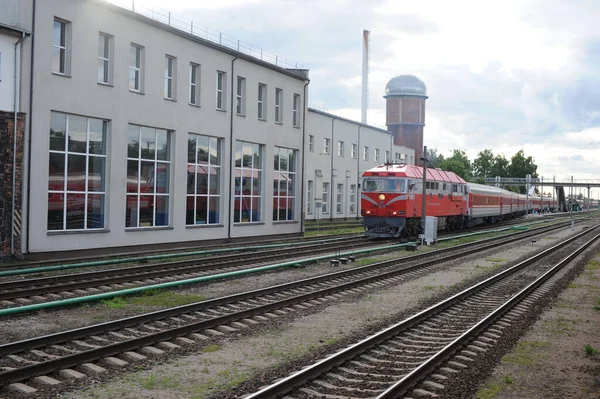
(301, 74)
(316, 111)
(416, 172)
(405, 86)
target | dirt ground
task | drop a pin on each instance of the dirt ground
(559, 357)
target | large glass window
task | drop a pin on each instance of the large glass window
(135, 68)
(59, 47)
(170, 85)
(278, 105)
(104, 62)
(76, 172)
(284, 184)
(220, 91)
(387, 185)
(248, 182)
(148, 176)
(352, 198)
(262, 101)
(194, 85)
(309, 197)
(203, 180)
(325, 198)
(241, 96)
(296, 111)
(339, 199)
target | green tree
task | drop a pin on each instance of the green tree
(521, 166)
(458, 163)
(435, 158)
(483, 164)
(500, 166)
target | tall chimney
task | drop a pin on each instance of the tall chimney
(365, 77)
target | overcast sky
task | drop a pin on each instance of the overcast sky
(505, 75)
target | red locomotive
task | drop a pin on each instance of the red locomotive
(392, 196)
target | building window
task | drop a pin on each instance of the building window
(353, 151)
(387, 157)
(170, 77)
(340, 148)
(240, 99)
(326, 146)
(135, 68)
(376, 155)
(278, 105)
(284, 184)
(104, 56)
(194, 89)
(311, 143)
(325, 198)
(339, 199)
(203, 180)
(221, 90)
(248, 182)
(148, 176)
(353, 198)
(296, 111)
(60, 54)
(365, 153)
(76, 172)
(262, 101)
(309, 197)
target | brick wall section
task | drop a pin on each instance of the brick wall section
(6, 167)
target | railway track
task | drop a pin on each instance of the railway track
(426, 353)
(39, 290)
(54, 356)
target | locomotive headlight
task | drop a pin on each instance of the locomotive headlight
(381, 197)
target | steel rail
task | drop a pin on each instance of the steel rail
(287, 384)
(95, 354)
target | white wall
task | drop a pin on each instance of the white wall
(7, 71)
(80, 94)
(344, 169)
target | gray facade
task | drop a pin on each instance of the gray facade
(91, 185)
(338, 151)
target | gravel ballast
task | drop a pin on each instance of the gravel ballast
(272, 349)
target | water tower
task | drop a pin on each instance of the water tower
(405, 112)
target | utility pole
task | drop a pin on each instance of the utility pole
(425, 160)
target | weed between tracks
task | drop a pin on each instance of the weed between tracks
(153, 298)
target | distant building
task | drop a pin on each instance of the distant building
(405, 112)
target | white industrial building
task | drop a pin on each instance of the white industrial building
(140, 133)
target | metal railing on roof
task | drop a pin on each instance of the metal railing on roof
(204, 32)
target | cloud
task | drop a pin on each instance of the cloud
(505, 75)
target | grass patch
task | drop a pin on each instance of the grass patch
(593, 265)
(524, 354)
(152, 381)
(597, 306)
(164, 298)
(590, 350)
(227, 379)
(489, 391)
(428, 287)
(572, 285)
(509, 380)
(325, 231)
(211, 348)
(496, 259)
(114, 303)
(366, 261)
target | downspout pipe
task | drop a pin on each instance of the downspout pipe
(357, 194)
(302, 199)
(14, 154)
(31, 76)
(331, 150)
(231, 161)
